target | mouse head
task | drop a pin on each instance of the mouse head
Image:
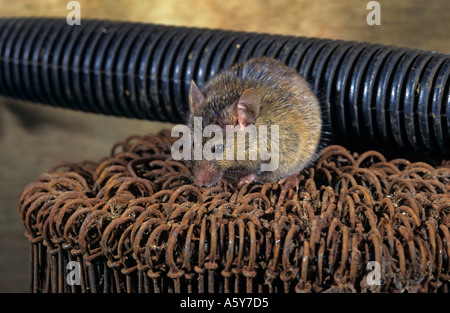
(231, 114)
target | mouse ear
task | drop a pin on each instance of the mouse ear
(246, 109)
(196, 97)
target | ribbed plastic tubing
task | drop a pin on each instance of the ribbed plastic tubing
(370, 93)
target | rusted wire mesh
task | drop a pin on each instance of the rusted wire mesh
(136, 223)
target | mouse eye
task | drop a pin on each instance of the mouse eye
(217, 148)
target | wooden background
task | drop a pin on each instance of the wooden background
(33, 137)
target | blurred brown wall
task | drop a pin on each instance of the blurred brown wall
(33, 138)
(423, 24)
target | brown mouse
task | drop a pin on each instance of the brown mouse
(259, 92)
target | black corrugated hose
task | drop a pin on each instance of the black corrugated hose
(377, 95)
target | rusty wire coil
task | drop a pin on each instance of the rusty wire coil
(135, 223)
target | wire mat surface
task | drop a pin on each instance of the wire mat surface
(134, 222)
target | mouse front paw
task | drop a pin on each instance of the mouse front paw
(246, 180)
(227, 184)
(292, 181)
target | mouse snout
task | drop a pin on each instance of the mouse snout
(206, 174)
